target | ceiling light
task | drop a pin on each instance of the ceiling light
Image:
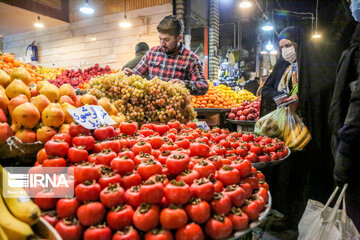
(86, 8)
(125, 23)
(269, 46)
(267, 27)
(245, 4)
(263, 52)
(316, 35)
(38, 23)
(273, 52)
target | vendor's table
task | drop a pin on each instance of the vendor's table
(243, 126)
(212, 116)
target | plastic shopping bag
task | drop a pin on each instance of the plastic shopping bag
(296, 134)
(272, 124)
(325, 223)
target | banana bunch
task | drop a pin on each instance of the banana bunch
(296, 138)
(17, 212)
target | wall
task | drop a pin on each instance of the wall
(107, 7)
(97, 40)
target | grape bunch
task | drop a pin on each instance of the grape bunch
(143, 100)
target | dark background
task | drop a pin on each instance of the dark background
(334, 23)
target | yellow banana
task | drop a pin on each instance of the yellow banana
(19, 203)
(297, 142)
(13, 227)
(302, 144)
(3, 235)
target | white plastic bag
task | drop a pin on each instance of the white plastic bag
(321, 222)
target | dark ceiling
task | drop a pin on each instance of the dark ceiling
(333, 20)
(335, 23)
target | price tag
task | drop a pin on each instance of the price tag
(203, 125)
(91, 116)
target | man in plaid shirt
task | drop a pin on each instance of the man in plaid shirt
(171, 61)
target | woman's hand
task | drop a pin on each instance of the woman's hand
(294, 105)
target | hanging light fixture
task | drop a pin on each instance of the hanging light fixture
(38, 23)
(316, 33)
(125, 23)
(269, 46)
(267, 27)
(86, 8)
(245, 4)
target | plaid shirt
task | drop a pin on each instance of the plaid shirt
(183, 65)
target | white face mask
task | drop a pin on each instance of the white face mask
(289, 54)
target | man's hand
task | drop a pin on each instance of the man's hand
(128, 71)
(178, 81)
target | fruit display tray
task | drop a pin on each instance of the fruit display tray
(244, 123)
(239, 234)
(212, 110)
(262, 165)
(14, 152)
(44, 230)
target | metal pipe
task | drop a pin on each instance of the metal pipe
(239, 35)
(258, 46)
(234, 36)
(301, 13)
(266, 16)
(188, 24)
(234, 33)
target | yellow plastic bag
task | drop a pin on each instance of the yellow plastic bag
(296, 135)
(272, 124)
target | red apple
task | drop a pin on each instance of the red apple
(246, 112)
(250, 117)
(231, 115)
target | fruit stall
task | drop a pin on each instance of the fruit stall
(218, 105)
(152, 173)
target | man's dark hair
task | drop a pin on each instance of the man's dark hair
(170, 25)
(141, 47)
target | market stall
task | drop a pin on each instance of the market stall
(147, 168)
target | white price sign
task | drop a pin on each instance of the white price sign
(203, 125)
(91, 116)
